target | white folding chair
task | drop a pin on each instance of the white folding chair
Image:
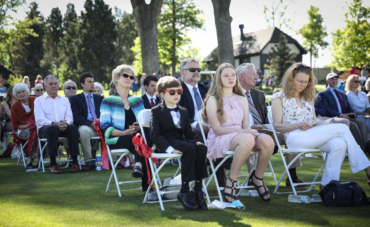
(24, 158)
(298, 153)
(144, 121)
(230, 154)
(6, 138)
(42, 148)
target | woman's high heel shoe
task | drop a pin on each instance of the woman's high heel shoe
(257, 187)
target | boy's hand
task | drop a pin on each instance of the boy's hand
(176, 152)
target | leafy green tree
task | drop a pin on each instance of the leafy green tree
(275, 13)
(7, 6)
(314, 33)
(351, 45)
(29, 52)
(52, 38)
(97, 34)
(281, 58)
(68, 46)
(177, 17)
(126, 38)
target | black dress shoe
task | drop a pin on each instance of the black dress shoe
(199, 198)
(187, 201)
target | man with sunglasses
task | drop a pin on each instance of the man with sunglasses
(86, 107)
(335, 104)
(70, 89)
(39, 90)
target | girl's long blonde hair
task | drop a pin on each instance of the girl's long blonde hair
(287, 83)
(349, 81)
(217, 92)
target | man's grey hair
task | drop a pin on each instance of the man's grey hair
(38, 85)
(49, 77)
(64, 85)
(186, 61)
(243, 67)
(19, 87)
(99, 85)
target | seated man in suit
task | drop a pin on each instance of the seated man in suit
(258, 114)
(149, 98)
(336, 105)
(171, 132)
(86, 107)
(54, 119)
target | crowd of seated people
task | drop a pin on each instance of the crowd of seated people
(233, 110)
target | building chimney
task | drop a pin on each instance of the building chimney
(241, 27)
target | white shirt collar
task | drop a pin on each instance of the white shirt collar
(171, 107)
(191, 87)
(154, 97)
(47, 95)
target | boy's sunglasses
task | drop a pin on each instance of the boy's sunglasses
(127, 76)
(194, 69)
(173, 91)
(71, 88)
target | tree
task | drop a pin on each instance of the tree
(351, 45)
(221, 9)
(280, 59)
(52, 38)
(68, 46)
(7, 6)
(126, 38)
(177, 17)
(146, 18)
(275, 14)
(314, 33)
(97, 34)
(29, 52)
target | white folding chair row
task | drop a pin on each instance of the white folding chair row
(299, 153)
(41, 149)
(144, 121)
(24, 158)
(82, 160)
(229, 154)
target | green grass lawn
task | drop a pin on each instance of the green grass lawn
(43, 199)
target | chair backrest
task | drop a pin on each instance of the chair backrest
(268, 109)
(269, 116)
(144, 119)
(200, 122)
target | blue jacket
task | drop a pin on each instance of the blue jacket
(330, 104)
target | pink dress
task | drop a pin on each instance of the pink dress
(234, 114)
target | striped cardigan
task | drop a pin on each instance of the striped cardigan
(112, 114)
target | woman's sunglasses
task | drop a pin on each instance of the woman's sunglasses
(356, 81)
(173, 91)
(127, 76)
(301, 67)
(39, 90)
(71, 88)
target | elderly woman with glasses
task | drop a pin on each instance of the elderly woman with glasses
(293, 113)
(358, 99)
(21, 114)
(118, 117)
(39, 90)
(70, 88)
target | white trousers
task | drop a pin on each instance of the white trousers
(335, 140)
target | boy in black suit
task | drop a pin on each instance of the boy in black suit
(171, 132)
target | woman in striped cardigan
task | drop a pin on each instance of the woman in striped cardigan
(118, 113)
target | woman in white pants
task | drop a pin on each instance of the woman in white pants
(293, 112)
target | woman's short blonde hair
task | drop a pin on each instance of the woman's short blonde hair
(121, 69)
(39, 77)
(26, 77)
(349, 81)
(287, 83)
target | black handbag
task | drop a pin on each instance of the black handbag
(343, 194)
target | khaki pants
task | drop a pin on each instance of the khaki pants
(87, 144)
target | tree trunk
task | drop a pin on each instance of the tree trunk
(311, 55)
(174, 39)
(223, 27)
(146, 18)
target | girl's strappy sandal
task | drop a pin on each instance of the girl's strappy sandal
(257, 187)
(233, 189)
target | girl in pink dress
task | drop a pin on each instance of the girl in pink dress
(226, 111)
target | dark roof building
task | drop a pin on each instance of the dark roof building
(254, 48)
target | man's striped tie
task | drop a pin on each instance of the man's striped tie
(256, 117)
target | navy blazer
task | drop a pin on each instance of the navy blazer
(186, 100)
(330, 104)
(146, 101)
(319, 108)
(80, 110)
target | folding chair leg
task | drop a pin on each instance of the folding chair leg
(155, 182)
(272, 172)
(114, 174)
(205, 191)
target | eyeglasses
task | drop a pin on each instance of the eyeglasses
(303, 82)
(127, 76)
(71, 88)
(173, 91)
(194, 69)
(39, 90)
(302, 67)
(356, 81)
